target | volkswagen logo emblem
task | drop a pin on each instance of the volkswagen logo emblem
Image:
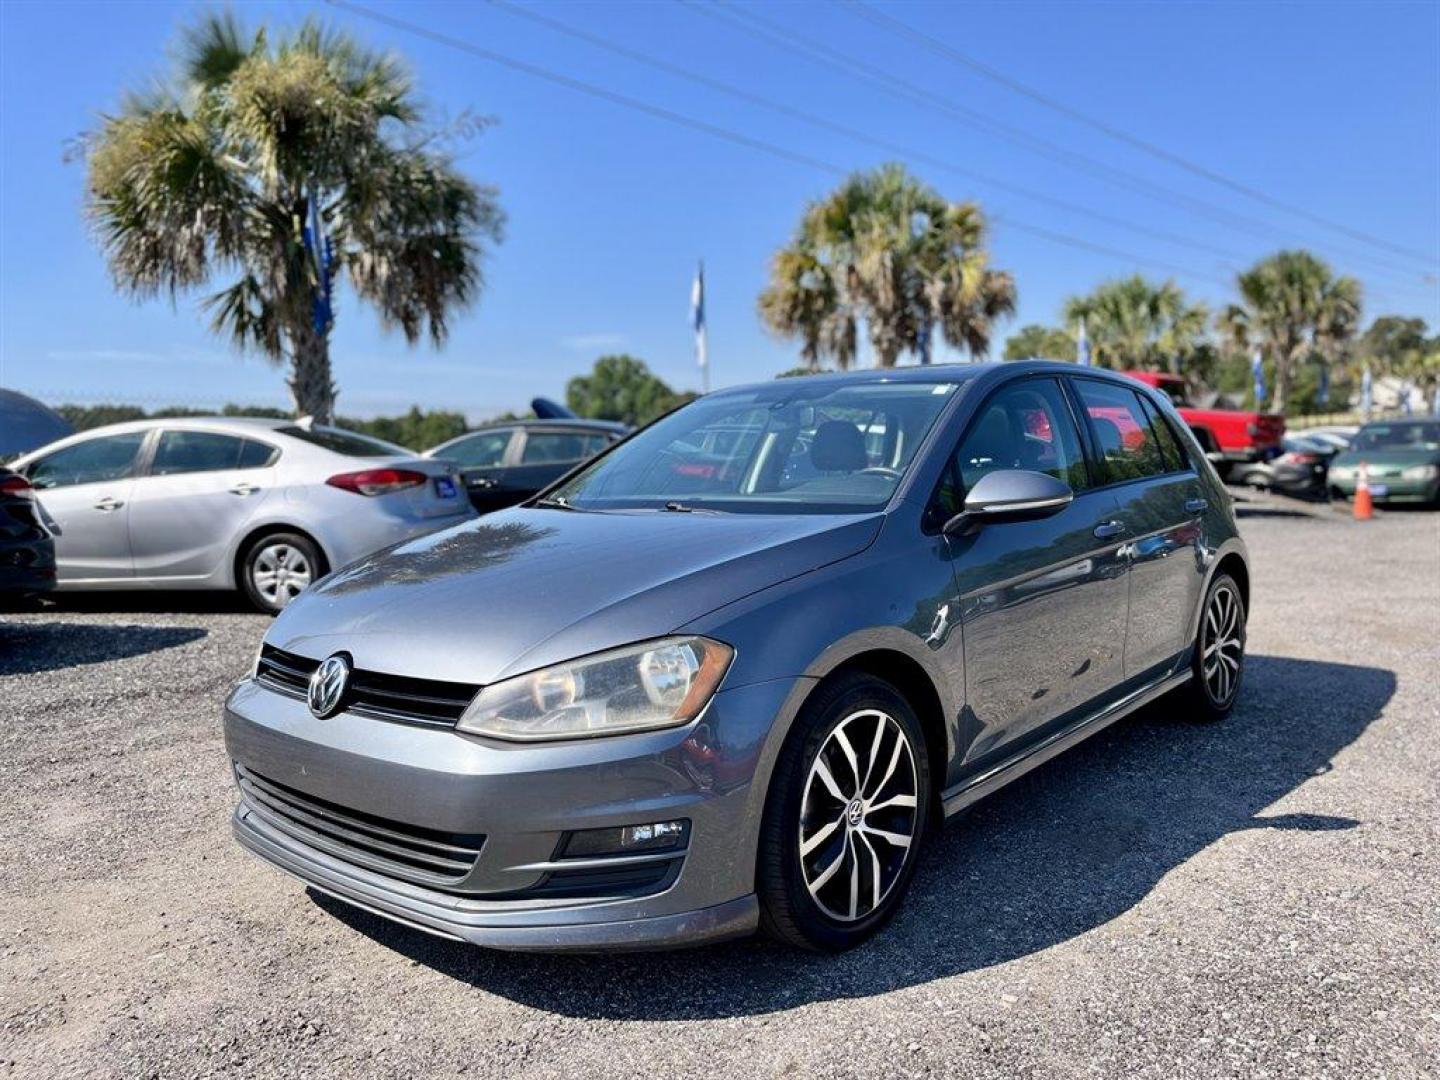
(328, 684)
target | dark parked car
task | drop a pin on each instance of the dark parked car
(1300, 470)
(733, 672)
(27, 553)
(505, 464)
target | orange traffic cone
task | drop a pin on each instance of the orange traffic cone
(1364, 506)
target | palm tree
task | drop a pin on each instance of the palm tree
(277, 166)
(1133, 323)
(886, 249)
(1290, 305)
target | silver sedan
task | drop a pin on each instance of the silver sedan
(266, 506)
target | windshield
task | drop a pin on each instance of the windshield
(340, 441)
(1421, 436)
(794, 447)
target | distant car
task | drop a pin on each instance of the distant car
(1300, 470)
(27, 552)
(504, 464)
(1339, 436)
(1402, 460)
(266, 506)
(1240, 436)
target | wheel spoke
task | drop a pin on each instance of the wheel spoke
(823, 771)
(874, 871)
(854, 876)
(894, 800)
(880, 726)
(829, 871)
(889, 837)
(889, 769)
(849, 752)
(821, 836)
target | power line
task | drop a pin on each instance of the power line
(705, 127)
(853, 133)
(941, 48)
(748, 21)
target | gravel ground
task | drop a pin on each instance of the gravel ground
(1257, 898)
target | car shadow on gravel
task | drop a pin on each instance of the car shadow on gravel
(30, 647)
(1073, 845)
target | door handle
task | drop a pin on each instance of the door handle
(1106, 530)
(483, 482)
(1194, 506)
(244, 489)
(109, 503)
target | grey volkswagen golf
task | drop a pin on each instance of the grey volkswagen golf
(730, 674)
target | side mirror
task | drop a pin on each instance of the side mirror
(1011, 495)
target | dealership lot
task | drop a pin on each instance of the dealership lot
(1253, 898)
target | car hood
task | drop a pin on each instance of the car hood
(524, 588)
(1387, 459)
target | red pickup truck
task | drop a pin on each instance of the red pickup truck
(1227, 435)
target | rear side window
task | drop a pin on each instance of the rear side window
(107, 457)
(1170, 449)
(547, 446)
(344, 442)
(1124, 441)
(206, 451)
(485, 450)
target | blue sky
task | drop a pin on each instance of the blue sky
(1334, 108)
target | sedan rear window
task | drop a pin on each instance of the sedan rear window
(339, 441)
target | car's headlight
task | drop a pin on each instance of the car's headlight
(1419, 472)
(655, 684)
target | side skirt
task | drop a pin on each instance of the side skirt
(976, 788)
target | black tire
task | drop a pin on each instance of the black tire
(863, 706)
(303, 567)
(1211, 693)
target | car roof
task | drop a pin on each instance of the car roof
(936, 373)
(576, 422)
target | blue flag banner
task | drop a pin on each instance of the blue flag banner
(1322, 393)
(1082, 347)
(697, 323)
(1257, 369)
(1366, 392)
(322, 253)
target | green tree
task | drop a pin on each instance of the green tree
(1136, 324)
(888, 250)
(222, 172)
(622, 388)
(1292, 306)
(1035, 342)
(415, 429)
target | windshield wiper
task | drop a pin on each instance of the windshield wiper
(682, 508)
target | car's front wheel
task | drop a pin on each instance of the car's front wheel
(845, 818)
(276, 568)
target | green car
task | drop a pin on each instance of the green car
(1402, 458)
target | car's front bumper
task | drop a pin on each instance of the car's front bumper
(1391, 488)
(523, 801)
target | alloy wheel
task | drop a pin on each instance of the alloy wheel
(1223, 644)
(280, 572)
(858, 815)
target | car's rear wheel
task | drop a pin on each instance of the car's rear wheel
(845, 818)
(277, 567)
(1219, 660)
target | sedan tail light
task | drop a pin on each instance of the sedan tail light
(377, 481)
(17, 486)
(1296, 458)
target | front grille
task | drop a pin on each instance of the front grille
(424, 856)
(372, 693)
(593, 882)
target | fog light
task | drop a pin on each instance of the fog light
(627, 840)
